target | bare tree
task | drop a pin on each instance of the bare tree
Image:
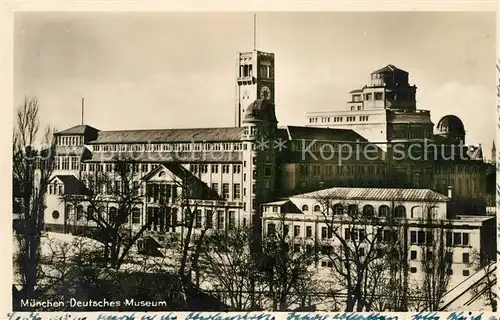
(437, 257)
(357, 260)
(230, 268)
(286, 265)
(32, 169)
(487, 286)
(111, 200)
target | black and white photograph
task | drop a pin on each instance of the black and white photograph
(254, 161)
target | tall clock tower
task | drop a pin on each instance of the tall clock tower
(255, 79)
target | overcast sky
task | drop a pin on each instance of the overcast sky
(173, 70)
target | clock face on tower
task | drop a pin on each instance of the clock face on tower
(265, 93)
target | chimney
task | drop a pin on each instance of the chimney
(450, 192)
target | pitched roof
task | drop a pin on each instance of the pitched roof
(392, 194)
(170, 135)
(356, 90)
(72, 185)
(77, 130)
(325, 134)
(71, 150)
(388, 68)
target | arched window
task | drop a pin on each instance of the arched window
(383, 211)
(55, 214)
(161, 174)
(352, 209)
(368, 210)
(112, 214)
(79, 212)
(305, 208)
(338, 209)
(416, 212)
(317, 208)
(400, 212)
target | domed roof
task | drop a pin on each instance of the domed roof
(451, 125)
(260, 110)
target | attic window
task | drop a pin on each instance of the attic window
(161, 174)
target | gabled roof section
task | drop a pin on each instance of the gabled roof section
(153, 172)
(170, 135)
(388, 68)
(390, 194)
(72, 186)
(77, 130)
(286, 206)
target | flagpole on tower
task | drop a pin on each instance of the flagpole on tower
(254, 31)
(83, 109)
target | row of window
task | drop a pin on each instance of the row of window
(449, 272)
(214, 168)
(368, 96)
(448, 256)
(100, 214)
(339, 119)
(69, 140)
(66, 163)
(159, 219)
(330, 169)
(416, 237)
(452, 238)
(56, 189)
(158, 147)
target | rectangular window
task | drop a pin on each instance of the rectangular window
(215, 168)
(296, 231)
(413, 270)
(347, 234)
(225, 190)
(465, 273)
(457, 238)
(209, 219)
(232, 221)
(215, 187)
(309, 232)
(220, 219)
(271, 229)
(236, 191)
(237, 168)
(465, 239)
(198, 219)
(136, 216)
(465, 257)
(323, 233)
(225, 168)
(413, 255)
(267, 171)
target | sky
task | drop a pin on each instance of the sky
(178, 70)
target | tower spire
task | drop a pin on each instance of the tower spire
(254, 31)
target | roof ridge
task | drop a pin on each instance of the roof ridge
(165, 129)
